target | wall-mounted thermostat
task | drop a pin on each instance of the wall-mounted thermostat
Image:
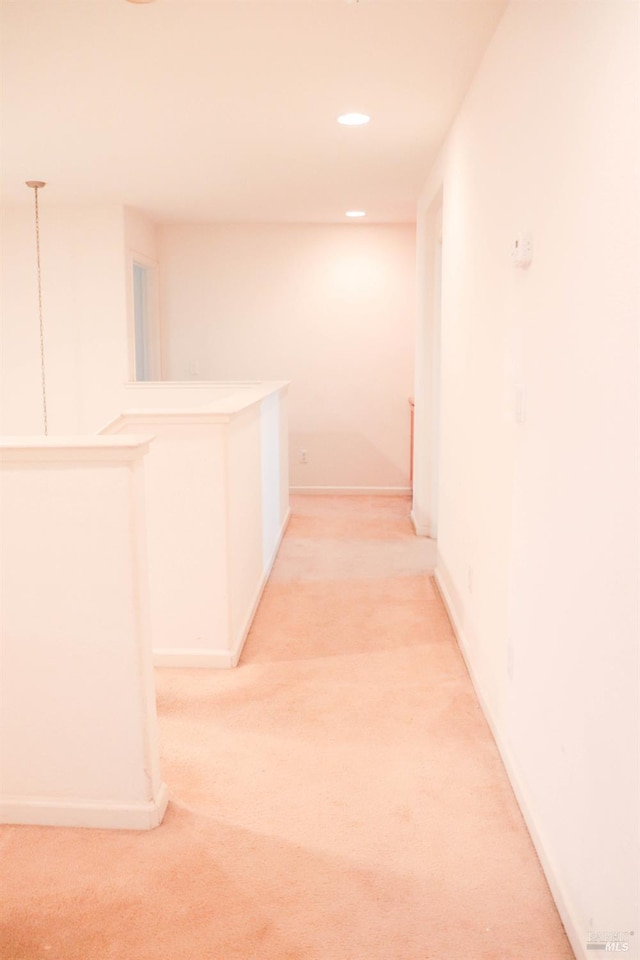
(522, 251)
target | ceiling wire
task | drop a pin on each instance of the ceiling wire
(37, 185)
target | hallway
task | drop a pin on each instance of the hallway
(336, 797)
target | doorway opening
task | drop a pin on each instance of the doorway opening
(426, 460)
(146, 325)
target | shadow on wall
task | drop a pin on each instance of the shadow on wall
(343, 460)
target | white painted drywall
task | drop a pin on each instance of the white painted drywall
(538, 520)
(330, 308)
(427, 379)
(217, 506)
(186, 535)
(244, 505)
(78, 739)
(273, 469)
(140, 235)
(84, 308)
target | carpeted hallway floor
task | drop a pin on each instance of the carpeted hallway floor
(337, 797)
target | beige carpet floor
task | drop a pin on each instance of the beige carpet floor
(338, 796)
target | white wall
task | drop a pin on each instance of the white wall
(140, 235)
(538, 521)
(84, 299)
(330, 308)
(86, 254)
(217, 498)
(427, 371)
(78, 739)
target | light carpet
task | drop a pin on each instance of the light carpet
(338, 796)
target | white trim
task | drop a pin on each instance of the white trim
(566, 909)
(422, 528)
(156, 415)
(196, 657)
(212, 410)
(353, 491)
(264, 387)
(222, 659)
(73, 449)
(143, 258)
(51, 812)
(189, 384)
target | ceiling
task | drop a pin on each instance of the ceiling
(205, 110)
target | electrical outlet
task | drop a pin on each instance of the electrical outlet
(522, 250)
(302, 456)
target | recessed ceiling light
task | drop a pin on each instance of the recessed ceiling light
(353, 119)
(355, 213)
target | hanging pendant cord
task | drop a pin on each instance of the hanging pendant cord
(36, 187)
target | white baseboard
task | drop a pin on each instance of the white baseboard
(566, 909)
(196, 657)
(354, 491)
(421, 527)
(222, 659)
(244, 632)
(51, 812)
